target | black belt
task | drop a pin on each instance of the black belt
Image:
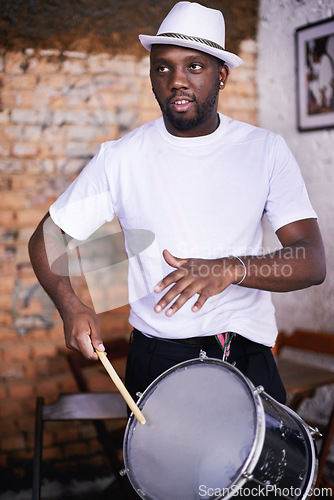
(202, 341)
(197, 341)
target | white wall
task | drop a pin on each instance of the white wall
(276, 80)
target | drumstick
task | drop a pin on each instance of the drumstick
(121, 387)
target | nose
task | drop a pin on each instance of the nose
(179, 79)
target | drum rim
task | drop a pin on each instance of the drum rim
(314, 460)
(259, 418)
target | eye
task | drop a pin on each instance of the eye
(195, 66)
(162, 69)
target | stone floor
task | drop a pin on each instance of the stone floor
(100, 488)
(104, 488)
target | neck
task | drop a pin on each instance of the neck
(200, 130)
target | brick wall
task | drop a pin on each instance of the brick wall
(56, 107)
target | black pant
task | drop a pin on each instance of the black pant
(149, 357)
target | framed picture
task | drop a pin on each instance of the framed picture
(315, 75)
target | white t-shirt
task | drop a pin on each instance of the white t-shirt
(197, 197)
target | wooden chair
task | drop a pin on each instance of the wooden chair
(96, 407)
(86, 405)
(303, 387)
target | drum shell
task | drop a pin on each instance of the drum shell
(288, 461)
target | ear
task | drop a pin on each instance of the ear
(223, 76)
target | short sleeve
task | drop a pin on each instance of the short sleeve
(287, 200)
(87, 203)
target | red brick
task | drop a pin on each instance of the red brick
(64, 466)
(29, 406)
(101, 383)
(11, 371)
(26, 271)
(11, 98)
(68, 385)
(57, 333)
(41, 334)
(26, 149)
(6, 319)
(48, 438)
(24, 455)
(18, 82)
(15, 442)
(44, 66)
(8, 426)
(5, 303)
(48, 390)
(95, 461)
(21, 391)
(76, 449)
(14, 63)
(30, 370)
(55, 452)
(26, 423)
(8, 335)
(7, 269)
(43, 350)
(7, 219)
(54, 81)
(33, 98)
(10, 408)
(17, 353)
(28, 279)
(7, 283)
(22, 182)
(5, 148)
(30, 217)
(67, 435)
(88, 432)
(3, 392)
(12, 201)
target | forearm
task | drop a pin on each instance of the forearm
(299, 264)
(47, 250)
(51, 266)
(291, 268)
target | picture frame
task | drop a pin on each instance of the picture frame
(315, 75)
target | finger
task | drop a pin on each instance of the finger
(172, 293)
(88, 338)
(200, 302)
(173, 277)
(85, 346)
(172, 260)
(96, 339)
(187, 294)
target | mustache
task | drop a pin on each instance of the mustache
(178, 93)
(181, 94)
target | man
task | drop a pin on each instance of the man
(200, 182)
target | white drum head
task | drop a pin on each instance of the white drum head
(203, 422)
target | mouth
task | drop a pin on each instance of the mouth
(181, 104)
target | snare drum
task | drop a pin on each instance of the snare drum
(210, 432)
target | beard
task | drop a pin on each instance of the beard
(202, 112)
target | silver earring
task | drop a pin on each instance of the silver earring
(222, 84)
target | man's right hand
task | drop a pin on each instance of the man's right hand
(82, 330)
(81, 324)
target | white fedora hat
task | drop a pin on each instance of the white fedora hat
(196, 27)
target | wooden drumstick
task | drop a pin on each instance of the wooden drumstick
(121, 387)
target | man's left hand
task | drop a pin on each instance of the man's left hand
(205, 277)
